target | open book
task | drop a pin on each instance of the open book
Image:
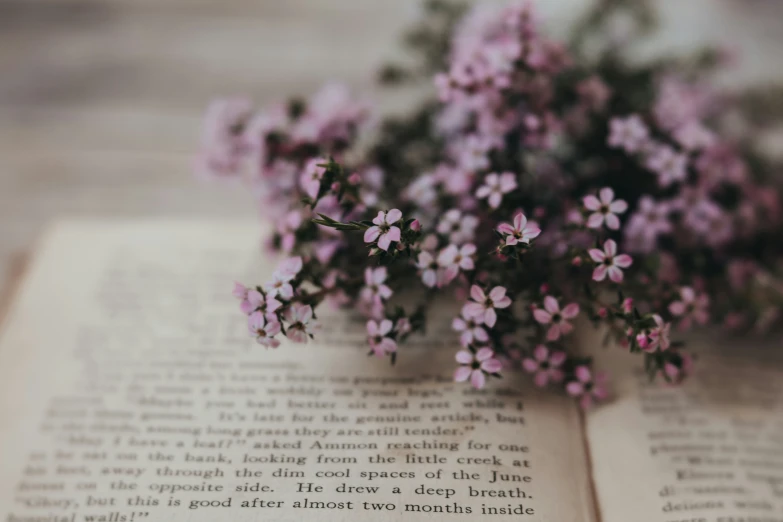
(129, 391)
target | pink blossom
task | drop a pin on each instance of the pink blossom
(403, 326)
(650, 220)
(301, 322)
(476, 367)
(495, 185)
(384, 230)
(428, 267)
(375, 290)
(472, 152)
(378, 337)
(459, 227)
(291, 266)
(609, 262)
(310, 180)
(287, 227)
(691, 307)
(545, 366)
(454, 258)
(264, 329)
(240, 292)
(222, 146)
(629, 133)
(264, 303)
(604, 210)
(588, 388)
(670, 165)
(552, 315)
(521, 232)
(656, 337)
(485, 305)
(694, 136)
(281, 283)
(470, 329)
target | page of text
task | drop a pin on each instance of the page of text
(708, 451)
(131, 392)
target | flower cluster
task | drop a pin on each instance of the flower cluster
(544, 188)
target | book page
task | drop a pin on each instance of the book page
(710, 450)
(131, 392)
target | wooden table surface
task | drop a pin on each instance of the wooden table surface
(100, 100)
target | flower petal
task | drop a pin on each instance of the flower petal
(591, 203)
(462, 373)
(393, 216)
(595, 220)
(599, 274)
(484, 353)
(477, 379)
(623, 260)
(477, 294)
(464, 357)
(570, 311)
(542, 316)
(371, 234)
(551, 305)
(607, 195)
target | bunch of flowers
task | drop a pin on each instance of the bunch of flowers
(545, 185)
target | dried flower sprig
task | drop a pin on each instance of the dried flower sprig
(546, 184)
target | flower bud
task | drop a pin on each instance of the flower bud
(415, 225)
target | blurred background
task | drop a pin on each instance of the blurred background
(101, 100)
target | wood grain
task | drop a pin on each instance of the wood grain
(100, 100)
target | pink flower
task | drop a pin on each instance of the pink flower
(656, 337)
(375, 290)
(670, 165)
(378, 337)
(222, 145)
(291, 266)
(264, 303)
(454, 258)
(475, 367)
(264, 329)
(240, 292)
(650, 220)
(384, 231)
(604, 210)
(301, 322)
(287, 227)
(558, 319)
(470, 329)
(587, 388)
(485, 305)
(691, 307)
(429, 269)
(460, 228)
(629, 133)
(310, 180)
(545, 366)
(520, 232)
(495, 185)
(609, 262)
(280, 285)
